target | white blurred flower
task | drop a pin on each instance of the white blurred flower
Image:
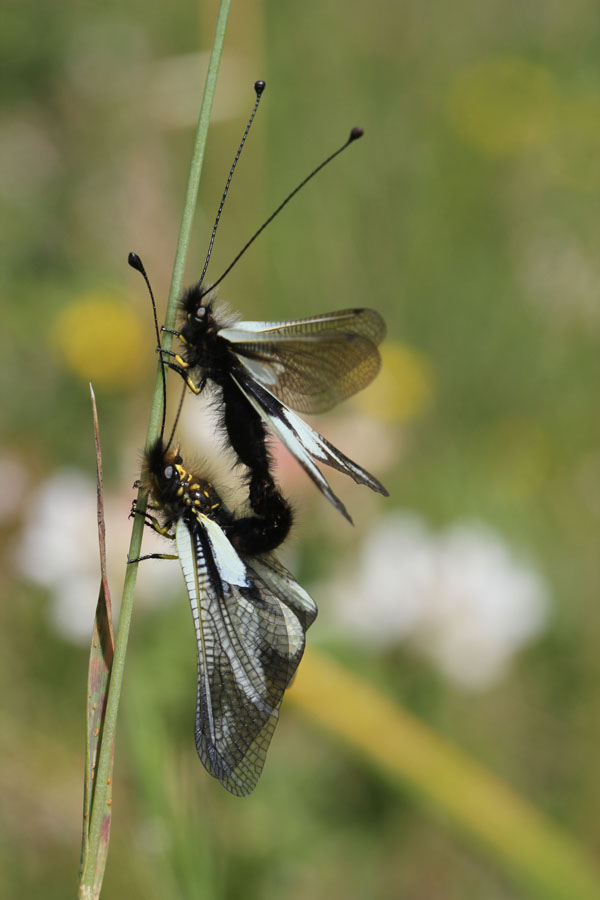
(58, 550)
(462, 597)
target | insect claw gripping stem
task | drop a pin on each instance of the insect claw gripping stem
(180, 362)
(195, 389)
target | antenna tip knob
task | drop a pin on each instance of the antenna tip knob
(355, 134)
(135, 262)
(259, 87)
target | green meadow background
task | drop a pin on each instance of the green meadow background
(468, 216)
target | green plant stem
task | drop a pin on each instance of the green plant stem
(116, 679)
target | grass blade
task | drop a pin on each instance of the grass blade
(99, 668)
(101, 799)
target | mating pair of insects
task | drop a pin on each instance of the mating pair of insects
(250, 615)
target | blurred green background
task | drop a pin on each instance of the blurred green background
(468, 215)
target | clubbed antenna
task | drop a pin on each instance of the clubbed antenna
(355, 134)
(136, 263)
(259, 87)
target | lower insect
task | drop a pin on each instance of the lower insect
(250, 617)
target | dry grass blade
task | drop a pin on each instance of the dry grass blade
(100, 664)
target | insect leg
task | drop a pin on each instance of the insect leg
(152, 522)
(196, 389)
(177, 334)
(134, 504)
(172, 331)
(181, 363)
(152, 556)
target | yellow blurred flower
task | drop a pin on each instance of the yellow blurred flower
(99, 339)
(504, 105)
(403, 388)
(575, 151)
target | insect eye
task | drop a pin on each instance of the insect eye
(169, 472)
(200, 313)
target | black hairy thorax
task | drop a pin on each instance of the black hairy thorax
(175, 490)
(206, 354)
(178, 492)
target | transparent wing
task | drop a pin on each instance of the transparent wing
(367, 322)
(311, 364)
(304, 442)
(283, 584)
(249, 642)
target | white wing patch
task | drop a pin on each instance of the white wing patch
(231, 568)
(241, 331)
(304, 443)
(293, 439)
(301, 433)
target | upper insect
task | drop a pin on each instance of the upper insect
(264, 368)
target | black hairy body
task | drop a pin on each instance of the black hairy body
(181, 493)
(208, 357)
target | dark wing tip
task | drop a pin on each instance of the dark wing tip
(374, 484)
(378, 328)
(340, 507)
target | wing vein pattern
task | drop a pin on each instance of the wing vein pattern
(250, 639)
(314, 363)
